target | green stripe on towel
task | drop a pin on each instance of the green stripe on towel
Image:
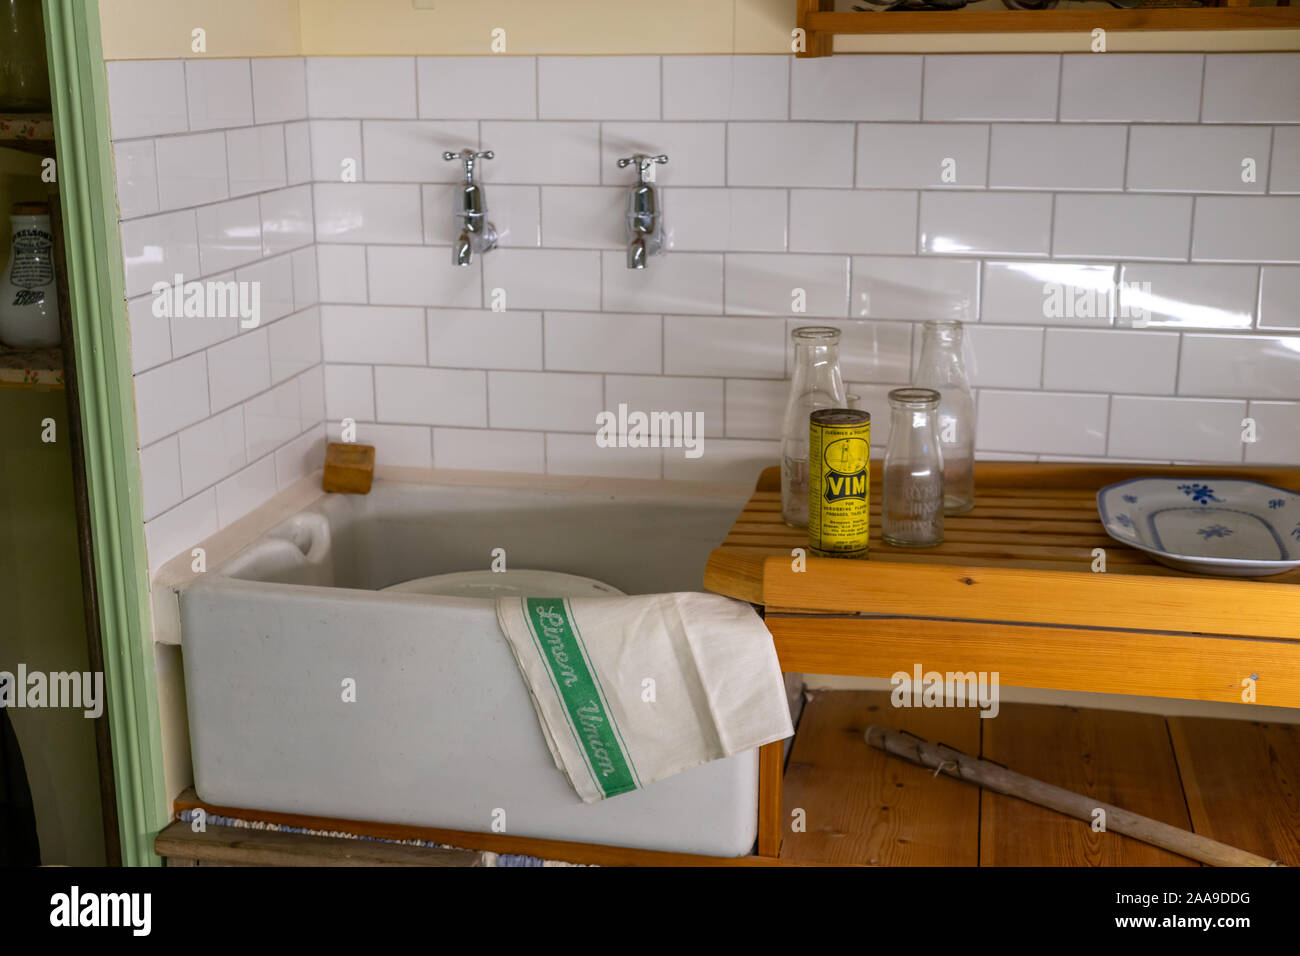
(593, 726)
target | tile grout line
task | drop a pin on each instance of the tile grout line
(1258, 318)
(1249, 414)
(789, 89)
(1128, 151)
(185, 88)
(918, 237)
(1200, 98)
(1060, 87)
(1042, 361)
(988, 156)
(1110, 413)
(1051, 228)
(1178, 365)
(1272, 145)
(415, 78)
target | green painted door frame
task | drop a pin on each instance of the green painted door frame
(88, 194)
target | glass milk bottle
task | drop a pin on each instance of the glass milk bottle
(29, 301)
(942, 370)
(816, 383)
(911, 506)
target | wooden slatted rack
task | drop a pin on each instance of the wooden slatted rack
(1013, 589)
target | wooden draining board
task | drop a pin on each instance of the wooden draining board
(1230, 780)
(1026, 515)
(1012, 588)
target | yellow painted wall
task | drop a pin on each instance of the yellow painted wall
(144, 29)
(158, 29)
(464, 27)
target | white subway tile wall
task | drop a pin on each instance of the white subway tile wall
(1122, 235)
(213, 168)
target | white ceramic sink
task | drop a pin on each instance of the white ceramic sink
(441, 733)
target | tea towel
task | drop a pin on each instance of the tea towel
(630, 690)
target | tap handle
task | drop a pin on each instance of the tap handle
(468, 157)
(643, 163)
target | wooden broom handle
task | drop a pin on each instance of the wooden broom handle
(990, 776)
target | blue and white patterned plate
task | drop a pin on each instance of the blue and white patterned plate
(1207, 525)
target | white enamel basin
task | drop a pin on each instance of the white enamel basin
(441, 733)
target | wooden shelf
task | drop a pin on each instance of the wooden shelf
(821, 25)
(31, 368)
(29, 132)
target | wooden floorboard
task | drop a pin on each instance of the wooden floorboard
(1243, 782)
(1121, 758)
(862, 806)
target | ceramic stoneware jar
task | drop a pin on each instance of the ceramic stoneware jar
(29, 302)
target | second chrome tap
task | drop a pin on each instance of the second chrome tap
(645, 227)
(474, 233)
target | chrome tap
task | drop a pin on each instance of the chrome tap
(474, 233)
(645, 227)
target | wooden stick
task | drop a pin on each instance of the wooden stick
(990, 776)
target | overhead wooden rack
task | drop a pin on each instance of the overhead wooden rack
(820, 23)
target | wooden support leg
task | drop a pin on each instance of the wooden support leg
(771, 757)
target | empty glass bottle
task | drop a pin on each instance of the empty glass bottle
(816, 383)
(911, 506)
(942, 369)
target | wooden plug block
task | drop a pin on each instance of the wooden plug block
(349, 468)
